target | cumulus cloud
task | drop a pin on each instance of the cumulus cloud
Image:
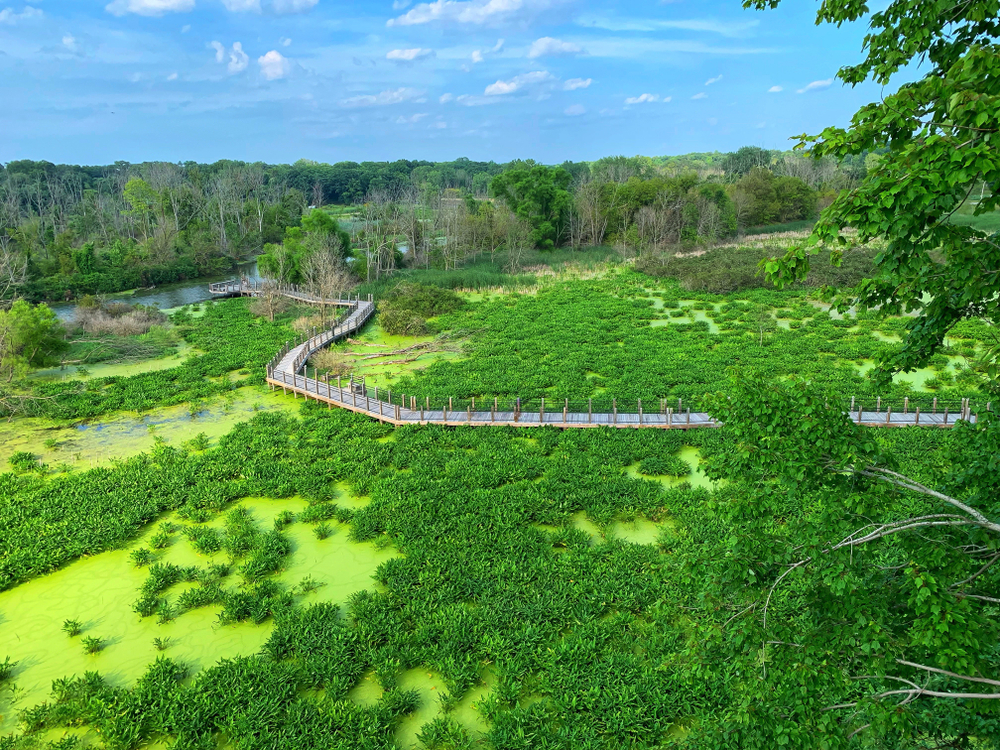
(774, 89)
(285, 41)
(238, 59)
(293, 6)
(391, 96)
(643, 99)
(577, 83)
(549, 46)
(479, 55)
(710, 81)
(9, 16)
(477, 12)
(69, 42)
(242, 6)
(409, 55)
(517, 83)
(816, 86)
(576, 109)
(700, 95)
(148, 7)
(274, 65)
(445, 98)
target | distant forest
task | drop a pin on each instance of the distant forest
(68, 230)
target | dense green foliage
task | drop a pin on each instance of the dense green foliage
(539, 195)
(30, 336)
(941, 131)
(405, 308)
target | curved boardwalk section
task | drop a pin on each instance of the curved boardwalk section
(285, 371)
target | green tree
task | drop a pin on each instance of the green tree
(741, 162)
(863, 599)
(30, 336)
(539, 195)
(142, 201)
(319, 232)
(941, 131)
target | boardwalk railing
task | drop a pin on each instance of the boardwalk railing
(285, 371)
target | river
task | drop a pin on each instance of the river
(169, 296)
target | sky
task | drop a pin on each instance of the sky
(96, 81)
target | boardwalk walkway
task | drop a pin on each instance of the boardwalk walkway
(285, 371)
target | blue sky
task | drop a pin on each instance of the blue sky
(94, 81)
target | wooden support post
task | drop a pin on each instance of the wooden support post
(413, 403)
(640, 411)
(888, 414)
(935, 404)
(473, 403)
(590, 410)
(399, 418)
(916, 416)
(946, 416)
(878, 404)
(446, 411)
(354, 399)
(670, 417)
(493, 412)
(379, 408)
(860, 410)
(689, 416)
(449, 403)
(421, 412)
(541, 412)
(566, 412)
(906, 405)
(614, 411)
(470, 414)
(680, 406)
(428, 403)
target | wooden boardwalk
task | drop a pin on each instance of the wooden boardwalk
(285, 371)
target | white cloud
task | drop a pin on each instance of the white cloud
(293, 6)
(774, 89)
(643, 99)
(409, 55)
(7, 15)
(466, 11)
(722, 28)
(666, 99)
(242, 6)
(577, 83)
(816, 86)
(517, 82)
(273, 65)
(69, 42)
(700, 95)
(400, 4)
(285, 41)
(185, 28)
(149, 7)
(548, 45)
(710, 81)
(135, 77)
(392, 96)
(401, 120)
(238, 59)
(479, 55)
(440, 125)
(445, 98)
(172, 77)
(576, 109)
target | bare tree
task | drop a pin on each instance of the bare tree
(13, 271)
(517, 242)
(326, 276)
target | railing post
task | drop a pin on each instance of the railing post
(906, 405)
(689, 416)
(614, 411)
(590, 410)
(935, 404)
(916, 417)
(888, 414)
(640, 411)
(541, 412)
(670, 417)
(493, 411)
(398, 417)
(566, 412)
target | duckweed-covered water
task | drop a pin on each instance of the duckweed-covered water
(99, 592)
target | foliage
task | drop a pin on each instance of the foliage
(318, 232)
(72, 628)
(30, 336)
(539, 195)
(405, 308)
(938, 130)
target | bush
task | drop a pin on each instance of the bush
(404, 310)
(23, 461)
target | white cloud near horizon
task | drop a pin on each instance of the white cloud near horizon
(774, 89)
(148, 7)
(390, 96)
(816, 86)
(10, 16)
(408, 55)
(642, 99)
(274, 65)
(476, 12)
(549, 46)
(414, 118)
(516, 83)
(577, 83)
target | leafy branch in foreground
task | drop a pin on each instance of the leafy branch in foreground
(941, 132)
(865, 584)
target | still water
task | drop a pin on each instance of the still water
(170, 295)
